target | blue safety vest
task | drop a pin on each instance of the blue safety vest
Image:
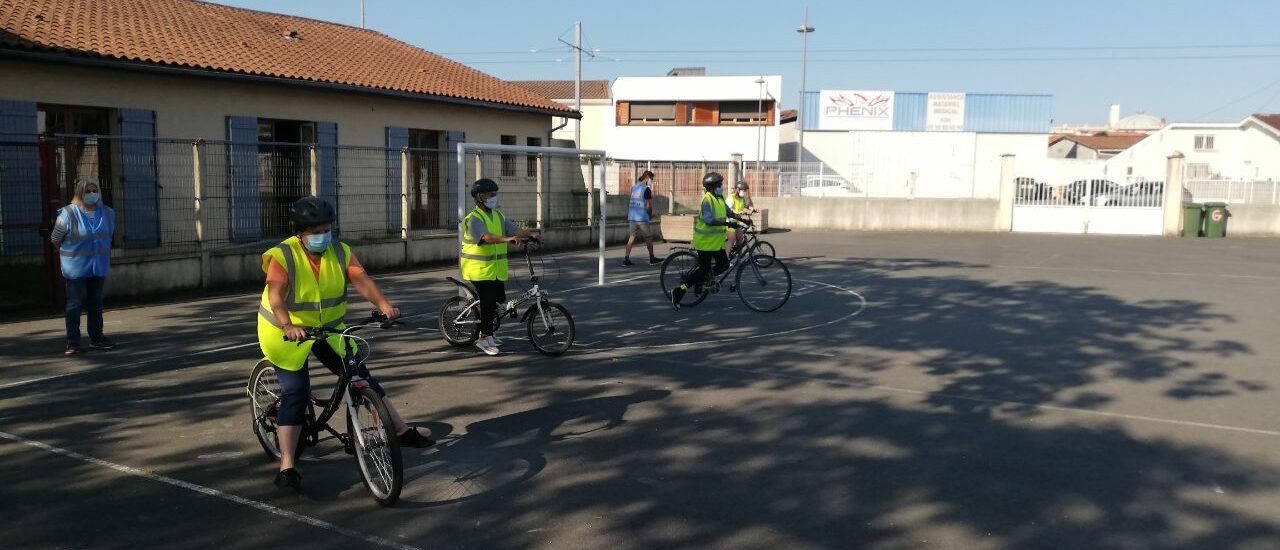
(637, 212)
(86, 249)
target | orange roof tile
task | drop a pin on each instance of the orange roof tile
(199, 35)
(1103, 142)
(563, 89)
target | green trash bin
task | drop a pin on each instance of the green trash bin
(1215, 219)
(1192, 219)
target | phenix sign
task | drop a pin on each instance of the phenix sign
(855, 110)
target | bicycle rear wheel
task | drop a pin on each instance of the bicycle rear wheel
(264, 407)
(373, 437)
(674, 268)
(763, 288)
(459, 333)
(551, 330)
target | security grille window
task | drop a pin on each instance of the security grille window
(1204, 143)
(81, 156)
(284, 168)
(653, 113)
(531, 160)
(744, 112)
(508, 159)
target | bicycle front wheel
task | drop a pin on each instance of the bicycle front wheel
(551, 330)
(764, 253)
(458, 329)
(674, 269)
(763, 288)
(373, 437)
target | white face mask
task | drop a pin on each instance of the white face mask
(742, 194)
(491, 202)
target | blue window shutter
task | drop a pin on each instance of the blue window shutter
(140, 188)
(20, 193)
(327, 141)
(242, 163)
(397, 139)
(451, 141)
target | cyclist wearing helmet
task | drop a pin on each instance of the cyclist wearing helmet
(483, 260)
(307, 278)
(741, 205)
(708, 236)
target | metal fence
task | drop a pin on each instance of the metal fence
(183, 196)
(1234, 191)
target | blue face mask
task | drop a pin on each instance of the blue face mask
(92, 198)
(318, 243)
(719, 191)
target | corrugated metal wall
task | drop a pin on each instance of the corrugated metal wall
(983, 113)
(1007, 114)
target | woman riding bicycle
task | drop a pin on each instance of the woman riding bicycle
(708, 236)
(307, 278)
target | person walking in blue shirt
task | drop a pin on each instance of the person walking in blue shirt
(83, 234)
(639, 213)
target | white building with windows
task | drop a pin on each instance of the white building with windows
(1247, 150)
(694, 117)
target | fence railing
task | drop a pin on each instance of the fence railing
(1234, 191)
(182, 196)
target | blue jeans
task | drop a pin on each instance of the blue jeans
(84, 294)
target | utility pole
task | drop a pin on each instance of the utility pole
(362, 14)
(804, 70)
(577, 84)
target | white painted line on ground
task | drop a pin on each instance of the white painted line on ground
(1055, 408)
(1138, 272)
(124, 366)
(260, 506)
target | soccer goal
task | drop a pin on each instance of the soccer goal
(544, 188)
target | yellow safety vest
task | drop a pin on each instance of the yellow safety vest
(312, 302)
(480, 261)
(739, 204)
(709, 237)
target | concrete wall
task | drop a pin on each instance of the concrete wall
(140, 277)
(190, 108)
(1253, 221)
(854, 214)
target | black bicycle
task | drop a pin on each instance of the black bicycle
(549, 325)
(762, 281)
(370, 434)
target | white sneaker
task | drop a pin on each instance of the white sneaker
(486, 345)
(496, 341)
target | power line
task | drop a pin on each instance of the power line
(910, 59)
(1238, 100)
(912, 50)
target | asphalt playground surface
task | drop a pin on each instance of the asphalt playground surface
(918, 391)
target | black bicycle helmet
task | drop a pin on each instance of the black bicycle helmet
(483, 185)
(712, 180)
(743, 185)
(310, 212)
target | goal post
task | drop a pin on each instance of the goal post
(540, 187)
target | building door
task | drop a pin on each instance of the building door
(427, 178)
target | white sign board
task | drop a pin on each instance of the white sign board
(945, 113)
(855, 110)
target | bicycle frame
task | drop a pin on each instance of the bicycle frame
(351, 362)
(744, 251)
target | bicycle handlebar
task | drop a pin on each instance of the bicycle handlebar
(376, 319)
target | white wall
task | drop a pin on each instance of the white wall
(693, 142)
(1029, 151)
(1148, 158)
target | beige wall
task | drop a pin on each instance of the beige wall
(189, 108)
(597, 116)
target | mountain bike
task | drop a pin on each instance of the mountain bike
(549, 325)
(370, 434)
(762, 281)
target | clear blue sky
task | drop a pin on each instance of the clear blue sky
(1186, 71)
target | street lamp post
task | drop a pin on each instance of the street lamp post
(804, 69)
(759, 124)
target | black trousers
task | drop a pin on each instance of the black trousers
(295, 385)
(699, 274)
(491, 293)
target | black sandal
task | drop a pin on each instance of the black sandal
(289, 479)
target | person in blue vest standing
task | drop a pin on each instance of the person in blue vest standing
(82, 234)
(639, 213)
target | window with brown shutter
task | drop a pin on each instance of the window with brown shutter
(653, 112)
(745, 113)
